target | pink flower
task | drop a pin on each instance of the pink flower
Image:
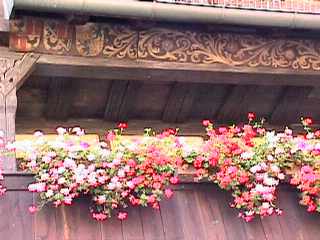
(33, 209)
(174, 180)
(99, 216)
(206, 122)
(122, 215)
(168, 192)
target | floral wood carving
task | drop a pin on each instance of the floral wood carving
(228, 49)
(124, 41)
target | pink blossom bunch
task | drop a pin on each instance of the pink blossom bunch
(114, 174)
(307, 181)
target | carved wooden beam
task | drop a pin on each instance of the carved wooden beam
(13, 73)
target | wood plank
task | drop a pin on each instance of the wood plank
(291, 223)
(152, 224)
(114, 69)
(244, 99)
(211, 214)
(180, 101)
(60, 97)
(115, 99)
(254, 230)
(234, 225)
(76, 222)
(171, 218)
(208, 100)
(191, 218)
(128, 101)
(46, 224)
(16, 222)
(132, 228)
(112, 229)
(291, 107)
(272, 228)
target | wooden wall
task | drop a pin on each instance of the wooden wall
(196, 212)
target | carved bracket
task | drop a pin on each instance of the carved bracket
(12, 75)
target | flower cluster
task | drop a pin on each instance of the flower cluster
(115, 173)
(251, 162)
(233, 159)
(307, 160)
(2, 153)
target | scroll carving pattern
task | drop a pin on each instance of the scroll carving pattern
(229, 49)
(123, 41)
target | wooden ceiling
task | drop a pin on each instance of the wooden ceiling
(122, 100)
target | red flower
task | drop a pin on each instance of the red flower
(251, 116)
(307, 121)
(123, 125)
(122, 215)
(317, 134)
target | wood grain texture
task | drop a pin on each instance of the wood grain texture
(115, 99)
(60, 98)
(196, 211)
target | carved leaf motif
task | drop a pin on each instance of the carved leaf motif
(229, 49)
(120, 42)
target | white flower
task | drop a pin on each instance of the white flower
(44, 177)
(49, 193)
(111, 186)
(61, 170)
(265, 205)
(121, 173)
(255, 168)
(310, 136)
(38, 134)
(247, 155)
(61, 180)
(272, 139)
(46, 159)
(275, 168)
(69, 163)
(91, 157)
(81, 173)
(270, 157)
(61, 130)
(269, 181)
(279, 150)
(65, 191)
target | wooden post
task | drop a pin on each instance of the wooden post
(13, 73)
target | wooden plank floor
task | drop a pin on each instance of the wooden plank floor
(196, 212)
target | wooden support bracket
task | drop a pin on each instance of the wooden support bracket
(13, 72)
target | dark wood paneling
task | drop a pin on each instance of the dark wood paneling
(294, 104)
(60, 98)
(89, 98)
(150, 100)
(15, 221)
(244, 99)
(115, 99)
(196, 211)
